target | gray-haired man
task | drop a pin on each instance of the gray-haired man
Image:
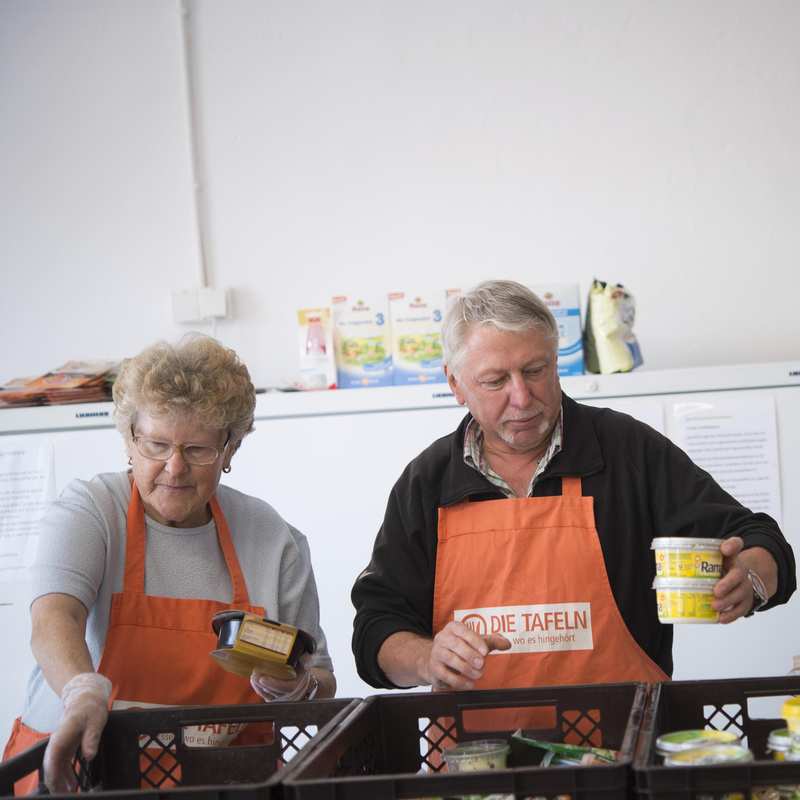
(516, 550)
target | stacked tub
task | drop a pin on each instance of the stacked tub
(686, 570)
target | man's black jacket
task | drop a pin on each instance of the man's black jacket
(643, 486)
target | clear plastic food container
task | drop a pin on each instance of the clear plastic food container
(477, 755)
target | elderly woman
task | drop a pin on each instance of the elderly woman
(133, 565)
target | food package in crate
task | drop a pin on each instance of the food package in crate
(575, 741)
(719, 738)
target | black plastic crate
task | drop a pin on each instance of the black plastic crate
(750, 707)
(149, 753)
(391, 745)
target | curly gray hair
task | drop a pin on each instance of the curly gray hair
(507, 305)
(197, 376)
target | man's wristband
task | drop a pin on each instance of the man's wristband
(760, 594)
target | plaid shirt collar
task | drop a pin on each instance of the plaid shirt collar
(473, 455)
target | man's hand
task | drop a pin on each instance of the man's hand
(457, 656)
(85, 699)
(733, 593)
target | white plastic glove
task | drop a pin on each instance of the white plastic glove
(85, 699)
(270, 689)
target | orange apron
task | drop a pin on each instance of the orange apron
(532, 569)
(157, 648)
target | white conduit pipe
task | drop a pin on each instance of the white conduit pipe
(197, 187)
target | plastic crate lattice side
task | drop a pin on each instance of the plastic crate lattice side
(294, 738)
(435, 735)
(360, 759)
(158, 759)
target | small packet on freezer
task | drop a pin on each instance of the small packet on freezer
(315, 346)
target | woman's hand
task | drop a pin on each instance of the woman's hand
(297, 688)
(85, 699)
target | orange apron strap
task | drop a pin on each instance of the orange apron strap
(571, 486)
(133, 580)
(240, 594)
(136, 541)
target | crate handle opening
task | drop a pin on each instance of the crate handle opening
(492, 717)
(766, 706)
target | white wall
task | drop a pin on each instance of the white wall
(367, 146)
(96, 221)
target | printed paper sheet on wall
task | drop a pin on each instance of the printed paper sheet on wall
(27, 485)
(735, 440)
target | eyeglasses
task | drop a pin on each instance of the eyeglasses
(199, 455)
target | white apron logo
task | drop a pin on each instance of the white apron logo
(210, 734)
(534, 629)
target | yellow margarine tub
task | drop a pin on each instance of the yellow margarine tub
(684, 557)
(791, 713)
(715, 754)
(685, 600)
(678, 741)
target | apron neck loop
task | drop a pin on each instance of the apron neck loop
(136, 540)
(571, 486)
(240, 595)
(133, 580)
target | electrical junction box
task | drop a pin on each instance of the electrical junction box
(196, 305)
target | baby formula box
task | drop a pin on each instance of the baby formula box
(362, 342)
(686, 557)
(685, 600)
(564, 303)
(416, 323)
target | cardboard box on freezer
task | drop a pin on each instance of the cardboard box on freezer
(564, 302)
(362, 341)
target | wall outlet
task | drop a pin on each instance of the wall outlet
(212, 302)
(185, 307)
(197, 305)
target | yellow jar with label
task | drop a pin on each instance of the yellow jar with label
(791, 713)
(687, 557)
(685, 600)
(779, 743)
